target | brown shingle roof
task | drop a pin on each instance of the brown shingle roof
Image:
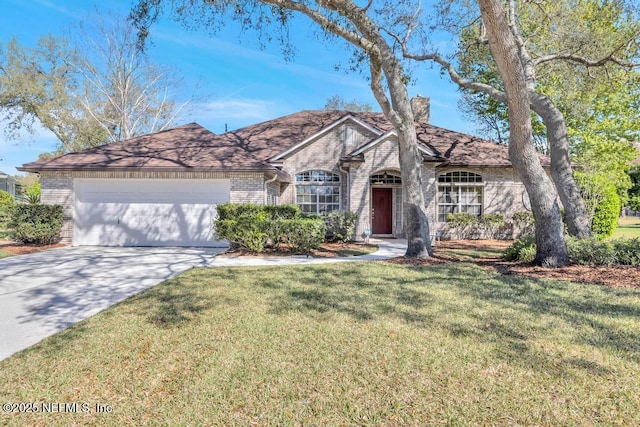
(193, 147)
(459, 149)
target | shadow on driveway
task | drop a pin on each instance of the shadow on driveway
(46, 292)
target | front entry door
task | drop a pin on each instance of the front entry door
(381, 214)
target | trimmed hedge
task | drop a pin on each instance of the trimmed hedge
(257, 227)
(235, 210)
(591, 251)
(524, 223)
(340, 225)
(36, 224)
(469, 226)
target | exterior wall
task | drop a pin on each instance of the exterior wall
(7, 184)
(57, 188)
(430, 194)
(247, 188)
(273, 193)
(502, 192)
(324, 154)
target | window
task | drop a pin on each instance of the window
(385, 178)
(318, 191)
(459, 191)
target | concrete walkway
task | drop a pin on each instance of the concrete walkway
(387, 248)
(45, 292)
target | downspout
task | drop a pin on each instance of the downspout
(266, 190)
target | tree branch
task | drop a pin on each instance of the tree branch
(586, 62)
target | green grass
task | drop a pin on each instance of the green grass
(628, 227)
(344, 344)
(5, 254)
(471, 254)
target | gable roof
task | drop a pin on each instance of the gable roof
(326, 129)
(255, 147)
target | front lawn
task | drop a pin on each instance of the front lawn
(344, 344)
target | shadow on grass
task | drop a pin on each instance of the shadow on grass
(468, 301)
(180, 300)
(587, 309)
(525, 321)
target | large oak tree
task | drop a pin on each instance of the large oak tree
(361, 27)
(552, 39)
(551, 248)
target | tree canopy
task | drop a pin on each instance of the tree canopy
(584, 58)
(362, 28)
(89, 88)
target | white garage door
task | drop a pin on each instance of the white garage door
(147, 212)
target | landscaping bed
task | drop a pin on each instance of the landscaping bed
(488, 254)
(326, 250)
(12, 248)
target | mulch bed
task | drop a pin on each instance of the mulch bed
(21, 249)
(615, 276)
(327, 250)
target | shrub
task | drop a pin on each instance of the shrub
(340, 225)
(591, 251)
(6, 204)
(36, 224)
(522, 249)
(305, 235)
(244, 232)
(255, 227)
(6, 200)
(605, 217)
(468, 226)
(527, 254)
(604, 252)
(460, 220)
(32, 194)
(283, 211)
(524, 223)
(627, 251)
(489, 224)
(634, 203)
(234, 210)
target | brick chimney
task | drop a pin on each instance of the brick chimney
(421, 108)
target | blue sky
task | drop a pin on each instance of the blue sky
(238, 83)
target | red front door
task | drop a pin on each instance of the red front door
(381, 222)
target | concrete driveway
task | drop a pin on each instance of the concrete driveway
(46, 292)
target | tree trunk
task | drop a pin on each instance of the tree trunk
(415, 220)
(577, 217)
(399, 112)
(551, 247)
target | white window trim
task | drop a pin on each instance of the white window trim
(459, 186)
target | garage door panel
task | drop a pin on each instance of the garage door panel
(147, 212)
